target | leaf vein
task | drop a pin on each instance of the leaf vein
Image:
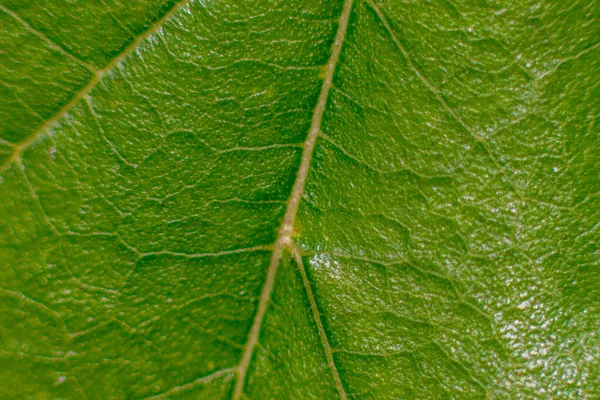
(94, 80)
(478, 138)
(190, 385)
(317, 317)
(285, 232)
(48, 41)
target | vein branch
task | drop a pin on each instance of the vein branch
(422, 77)
(47, 40)
(317, 317)
(94, 80)
(190, 385)
(434, 90)
(285, 232)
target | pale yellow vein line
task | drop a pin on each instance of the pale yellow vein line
(423, 79)
(192, 384)
(21, 101)
(36, 198)
(285, 232)
(47, 40)
(441, 100)
(317, 317)
(206, 255)
(29, 300)
(571, 58)
(103, 133)
(96, 78)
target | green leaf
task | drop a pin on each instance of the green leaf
(310, 199)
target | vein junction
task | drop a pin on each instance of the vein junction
(285, 232)
(97, 76)
(283, 241)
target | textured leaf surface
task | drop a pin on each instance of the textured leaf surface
(309, 199)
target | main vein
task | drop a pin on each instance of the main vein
(285, 232)
(18, 149)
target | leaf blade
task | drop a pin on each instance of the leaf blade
(446, 231)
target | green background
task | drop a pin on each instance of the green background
(449, 225)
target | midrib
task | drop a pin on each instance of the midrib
(285, 232)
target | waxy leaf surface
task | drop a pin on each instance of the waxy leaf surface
(312, 199)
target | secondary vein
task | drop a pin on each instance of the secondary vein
(436, 93)
(18, 150)
(285, 232)
(317, 317)
(190, 385)
(49, 42)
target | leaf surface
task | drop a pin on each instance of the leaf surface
(312, 199)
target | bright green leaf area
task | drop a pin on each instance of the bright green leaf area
(445, 244)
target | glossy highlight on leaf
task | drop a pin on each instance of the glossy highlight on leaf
(317, 199)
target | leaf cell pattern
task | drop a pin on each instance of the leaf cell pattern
(314, 199)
